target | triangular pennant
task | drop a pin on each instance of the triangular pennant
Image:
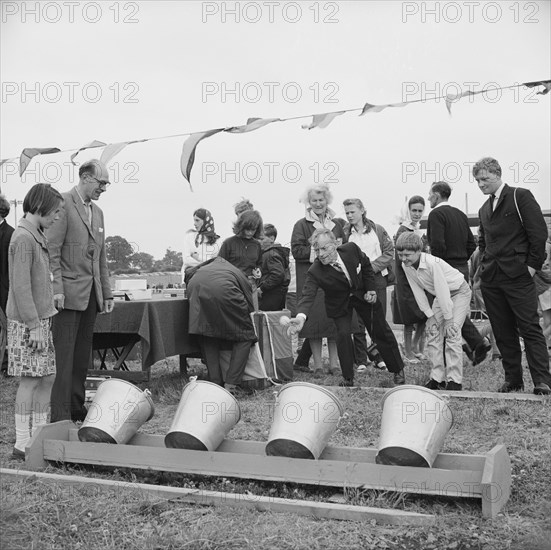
(188, 152)
(369, 108)
(545, 83)
(30, 152)
(452, 98)
(252, 124)
(111, 151)
(90, 145)
(322, 121)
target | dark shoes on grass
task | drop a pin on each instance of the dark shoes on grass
(346, 383)
(453, 386)
(508, 388)
(542, 389)
(434, 385)
(399, 378)
(480, 352)
(17, 454)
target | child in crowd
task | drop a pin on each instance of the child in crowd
(445, 318)
(29, 310)
(276, 276)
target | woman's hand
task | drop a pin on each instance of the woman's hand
(257, 273)
(36, 339)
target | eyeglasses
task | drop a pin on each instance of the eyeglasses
(101, 182)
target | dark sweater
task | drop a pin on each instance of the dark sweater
(450, 236)
(246, 254)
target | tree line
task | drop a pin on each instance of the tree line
(121, 258)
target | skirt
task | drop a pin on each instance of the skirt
(24, 361)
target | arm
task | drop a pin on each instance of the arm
(418, 293)
(224, 252)
(535, 228)
(387, 250)
(309, 291)
(436, 234)
(481, 239)
(56, 237)
(471, 244)
(189, 253)
(273, 272)
(300, 246)
(104, 276)
(368, 276)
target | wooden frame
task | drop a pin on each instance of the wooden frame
(487, 477)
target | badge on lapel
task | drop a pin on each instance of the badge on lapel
(100, 229)
(358, 269)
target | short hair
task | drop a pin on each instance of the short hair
(443, 188)
(249, 220)
(319, 188)
(4, 207)
(92, 167)
(409, 241)
(416, 199)
(487, 163)
(41, 199)
(322, 232)
(242, 206)
(270, 230)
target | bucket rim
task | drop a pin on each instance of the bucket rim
(220, 388)
(317, 387)
(146, 393)
(423, 389)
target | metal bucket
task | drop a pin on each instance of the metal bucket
(414, 425)
(116, 413)
(205, 415)
(305, 418)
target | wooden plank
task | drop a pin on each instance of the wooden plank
(462, 394)
(496, 481)
(315, 472)
(444, 461)
(322, 510)
(129, 375)
(34, 451)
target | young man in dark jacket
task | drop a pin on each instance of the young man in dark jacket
(275, 272)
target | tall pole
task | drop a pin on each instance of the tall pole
(15, 202)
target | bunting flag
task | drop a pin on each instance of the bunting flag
(111, 151)
(322, 121)
(369, 108)
(29, 153)
(252, 124)
(188, 152)
(545, 83)
(90, 145)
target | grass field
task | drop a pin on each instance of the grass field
(40, 515)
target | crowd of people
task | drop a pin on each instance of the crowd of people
(334, 278)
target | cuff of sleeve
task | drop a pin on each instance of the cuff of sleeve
(428, 313)
(301, 316)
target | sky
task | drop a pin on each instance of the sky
(74, 72)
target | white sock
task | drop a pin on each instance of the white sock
(38, 419)
(22, 430)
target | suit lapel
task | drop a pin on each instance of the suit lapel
(84, 215)
(501, 200)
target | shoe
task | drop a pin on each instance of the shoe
(542, 389)
(508, 388)
(379, 365)
(302, 368)
(480, 352)
(468, 351)
(453, 386)
(434, 385)
(346, 383)
(17, 454)
(361, 368)
(399, 378)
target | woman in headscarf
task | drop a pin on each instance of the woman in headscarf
(405, 310)
(318, 215)
(201, 243)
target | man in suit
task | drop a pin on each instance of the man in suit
(345, 274)
(512, 237)
(81, 287)
(451, 239)
(6, 231)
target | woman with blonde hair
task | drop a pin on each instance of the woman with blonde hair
(316, 199)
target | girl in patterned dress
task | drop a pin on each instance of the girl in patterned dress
(29, 310)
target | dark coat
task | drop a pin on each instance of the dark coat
(6, 231)
(508, 242)
(335, 284)
(220, 302)
(246, 254)
(275, 268)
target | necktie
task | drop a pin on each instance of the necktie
(88, 208)
(492, 201)
(337, 266)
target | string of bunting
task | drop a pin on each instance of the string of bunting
(187, 159)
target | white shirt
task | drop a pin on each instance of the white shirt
(437, 277)
(204, 251)
(369, 244)
(87, 206)
(497, 194)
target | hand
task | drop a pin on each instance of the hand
(259, 292)
(256, 273)
(195, 255)
(531, 270)
(59, 301)
(296, 324)
(108, 306)
(370, 296)
(450, 329)
(36, 339)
